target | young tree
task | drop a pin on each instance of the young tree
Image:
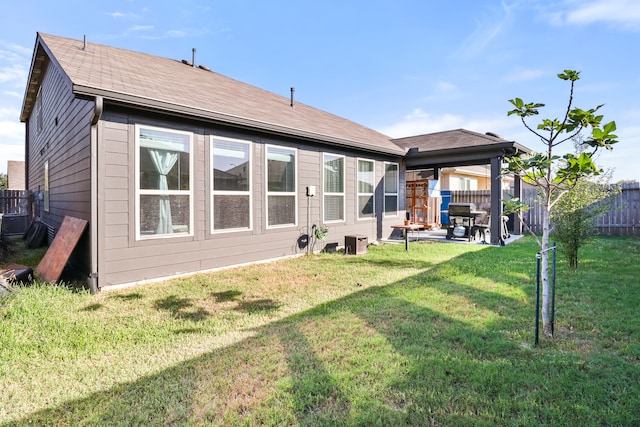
(573, 216)
(555, 175)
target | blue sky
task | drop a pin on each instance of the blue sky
(402, 67)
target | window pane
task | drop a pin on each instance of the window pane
(391, 178)
(156, 219)
(230, 211)
(164, 160)
(333, 208)
(390, 204)
(365, 206)
(333, 174)
(282, 210)
(281, 170)
(365, 176)
(230, 166)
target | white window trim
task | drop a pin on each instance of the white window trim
(279, 193)
(47, 185)
(231, 193)
(139, 192)
(397, 193)
(343, 193)
(358, 193)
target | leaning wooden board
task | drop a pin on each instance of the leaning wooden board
(53, 262)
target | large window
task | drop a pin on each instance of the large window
(231, 183)
(391, 186)
(366, 189)
(333, 193)
(281, 186)
(163, 183)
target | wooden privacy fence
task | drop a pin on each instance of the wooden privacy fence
(621, 219)
(14, 201)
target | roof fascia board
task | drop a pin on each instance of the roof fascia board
(443, 159)
(40, 57)
(507, 146)
(182, 110)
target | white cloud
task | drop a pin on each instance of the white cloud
(141, 28)
(13, 73)
(14, 62)
(123, 15)
(486, 31)
(524, 74)
(11, 131)
(13, 94)
(445, 86)
(623, 14)
(8, 113)
(419, 122)
(176, 33)
(11, 142)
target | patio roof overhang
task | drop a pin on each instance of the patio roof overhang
(465, 148)
(456, 148)
(464, 156)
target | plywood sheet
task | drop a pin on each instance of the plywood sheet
(56, 257)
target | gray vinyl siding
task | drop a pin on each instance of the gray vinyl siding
(124, 260)
(64, 142)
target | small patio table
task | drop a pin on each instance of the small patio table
(407, 228)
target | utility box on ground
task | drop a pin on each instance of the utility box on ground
(355, 244)
(13, 223)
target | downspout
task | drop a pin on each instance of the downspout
(93, 223)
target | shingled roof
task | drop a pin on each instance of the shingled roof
(163, 84)
(456, 147)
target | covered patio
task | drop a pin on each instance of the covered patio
(462, 147)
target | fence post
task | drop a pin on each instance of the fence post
(553, 288)
(538, 258)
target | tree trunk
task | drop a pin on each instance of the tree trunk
(544, 273)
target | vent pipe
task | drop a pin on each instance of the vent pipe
(84, 47)
(193, 57)
(292, 91)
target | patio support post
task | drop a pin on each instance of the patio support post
(496, 201)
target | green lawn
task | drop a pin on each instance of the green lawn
(440, 335)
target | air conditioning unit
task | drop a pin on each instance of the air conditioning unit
(355, 244)
(13, 223)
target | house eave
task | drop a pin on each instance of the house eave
(461, 156)
(227, 119)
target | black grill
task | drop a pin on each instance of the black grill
(461, 209)
(462, 218)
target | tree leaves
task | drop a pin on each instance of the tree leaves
(522, 109)
(603, 138)
(546, 169)
(570, 75)
(575, 167)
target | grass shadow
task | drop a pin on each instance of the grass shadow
(128, 297)
(181, 308)
(93, 307)
(259, 305)
(226, 296)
